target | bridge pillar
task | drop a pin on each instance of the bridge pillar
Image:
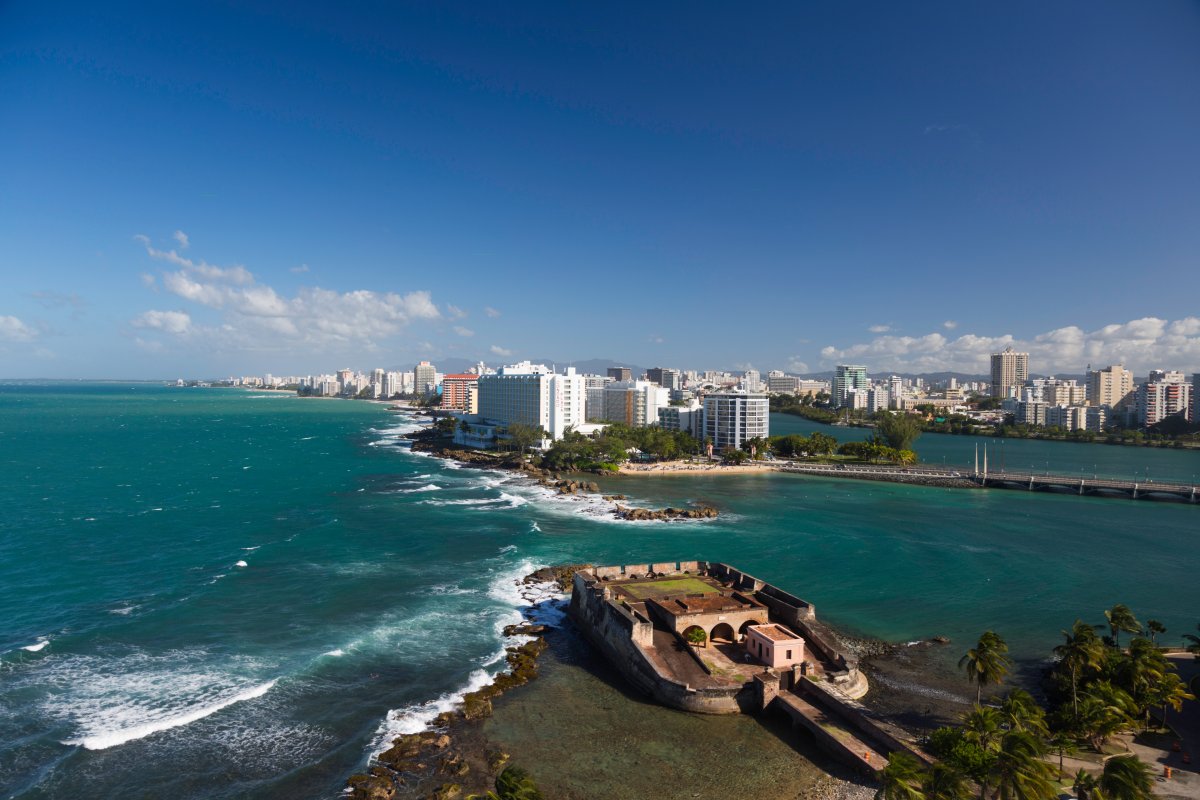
(1081, 486)
(1135, 488)
(1031, 483)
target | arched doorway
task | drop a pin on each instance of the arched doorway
(744, 628)
(722, 631)
(694, 634)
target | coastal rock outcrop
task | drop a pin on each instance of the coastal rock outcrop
(642, 514)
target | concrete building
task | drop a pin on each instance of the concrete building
(594, 385)
(620, 373)
(1010, 371)
(774, 645)
(670, 379)
(517, 393)
(1111, 387)
(458, 392)
(1031, 412)
(730, 418)
(895, 392)
(635, 403)
(425, 378)
(689, 419)
(847, 378)
(877, 399)
(1196, 397)
(568, 395)
(1165, 394)
(1077, 418)
(751, 381)
(779, 383)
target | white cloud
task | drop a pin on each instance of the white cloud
(148, 280)
(491, 312)
(461, 331)
(796, 366)
(175, 322)
(949, 324)
(182, 239)
(14, 330)
(879, 328)
(1141, 345)
(150, 345)
(257, 317)
(655, 339)
(497, 350)
(454, 312)
(300, 270)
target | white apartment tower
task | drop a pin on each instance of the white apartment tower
(1111, 387)
(730, 418)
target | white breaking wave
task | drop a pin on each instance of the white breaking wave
(34, 648)
(107, 739)
(335, 653)
(241, 564)
(418, 717)
(429, 487)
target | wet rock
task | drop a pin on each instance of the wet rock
(642, 514)
(940, 640)
(447, 791)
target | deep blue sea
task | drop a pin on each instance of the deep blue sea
(216, 593)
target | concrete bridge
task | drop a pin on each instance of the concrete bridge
(1004, 479)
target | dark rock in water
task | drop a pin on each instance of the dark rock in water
(524, 629)
(642, 514)
(563, 575)
(940, 640)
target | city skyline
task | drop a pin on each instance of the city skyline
(288, 189)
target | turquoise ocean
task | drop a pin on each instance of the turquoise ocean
(211, 593)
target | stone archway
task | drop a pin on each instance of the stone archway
(695, 635)
(722, 630)
(745, 628)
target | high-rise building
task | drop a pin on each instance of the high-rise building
(1166, 394)
(568, 396)
(620, 373)
(1010, 370)
(688, 418)
(730, 418)
(530, 394)
(594, 385)
(665, 377)
(425, 378)
(895, 391)
(751, 381)
(635, 403)
(458, 392)
(846, 379)
(1111, 387)
(1196, 397)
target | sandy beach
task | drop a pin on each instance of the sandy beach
(694, 468)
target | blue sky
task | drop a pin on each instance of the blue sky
(209, 189)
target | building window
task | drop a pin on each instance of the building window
(789, 655)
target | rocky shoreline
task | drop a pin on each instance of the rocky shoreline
(434, 443)
(451, 759)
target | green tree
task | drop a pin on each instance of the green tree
(986, 663)
(983, 727)
(1194, 642)
(1021, 712)
(521, 437)
(898, 431)
(1104, 710)
(696, 636)
(1154, 628)
(944, 781)
(1081, 650)
(1084, 785)
(901, 779)
(1120, 618)
(1126, 778)
(1019, 772)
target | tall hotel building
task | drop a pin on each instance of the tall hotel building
(1010, 370)
(530, 394)
(848, 378)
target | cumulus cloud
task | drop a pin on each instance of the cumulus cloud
(182, 239)
(174, 322)
(879, 328)
(255, 316)
(461, 331)
(454, 312)
(497, 350)
(14, 330)
(950, 324)
(1141, 345)
(796, 366)
(491, 312)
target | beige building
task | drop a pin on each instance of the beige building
(1010, 370)
(1112, 387)
(774, 645)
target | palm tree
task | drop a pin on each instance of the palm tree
(944, 782)
(902, 778)
(1019, 772)
(1022, 713)
(1120, 618)
(986, 663)
(1062, 743)
(1140, 672)
(1084, 785)
(1126, 778)
(1154, 628)
(1104, 710)
(1080, 650)
(1194, 647)
(1170, 692)
(983, 726)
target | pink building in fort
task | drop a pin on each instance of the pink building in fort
(774, 645)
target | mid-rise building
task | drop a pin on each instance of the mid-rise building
(425, 378)
(620, 373)
(1031, 412)
(635, 403)
(568, 395)
(780, 383)
(458, 392)
(670, 379)
(1111, 387)
(687, 418)
(516, 394)
(751, 381)
(1010, 371)
(1166, 394)
(895, 391)
(730, 418)
(848, 378)
(593, 386)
